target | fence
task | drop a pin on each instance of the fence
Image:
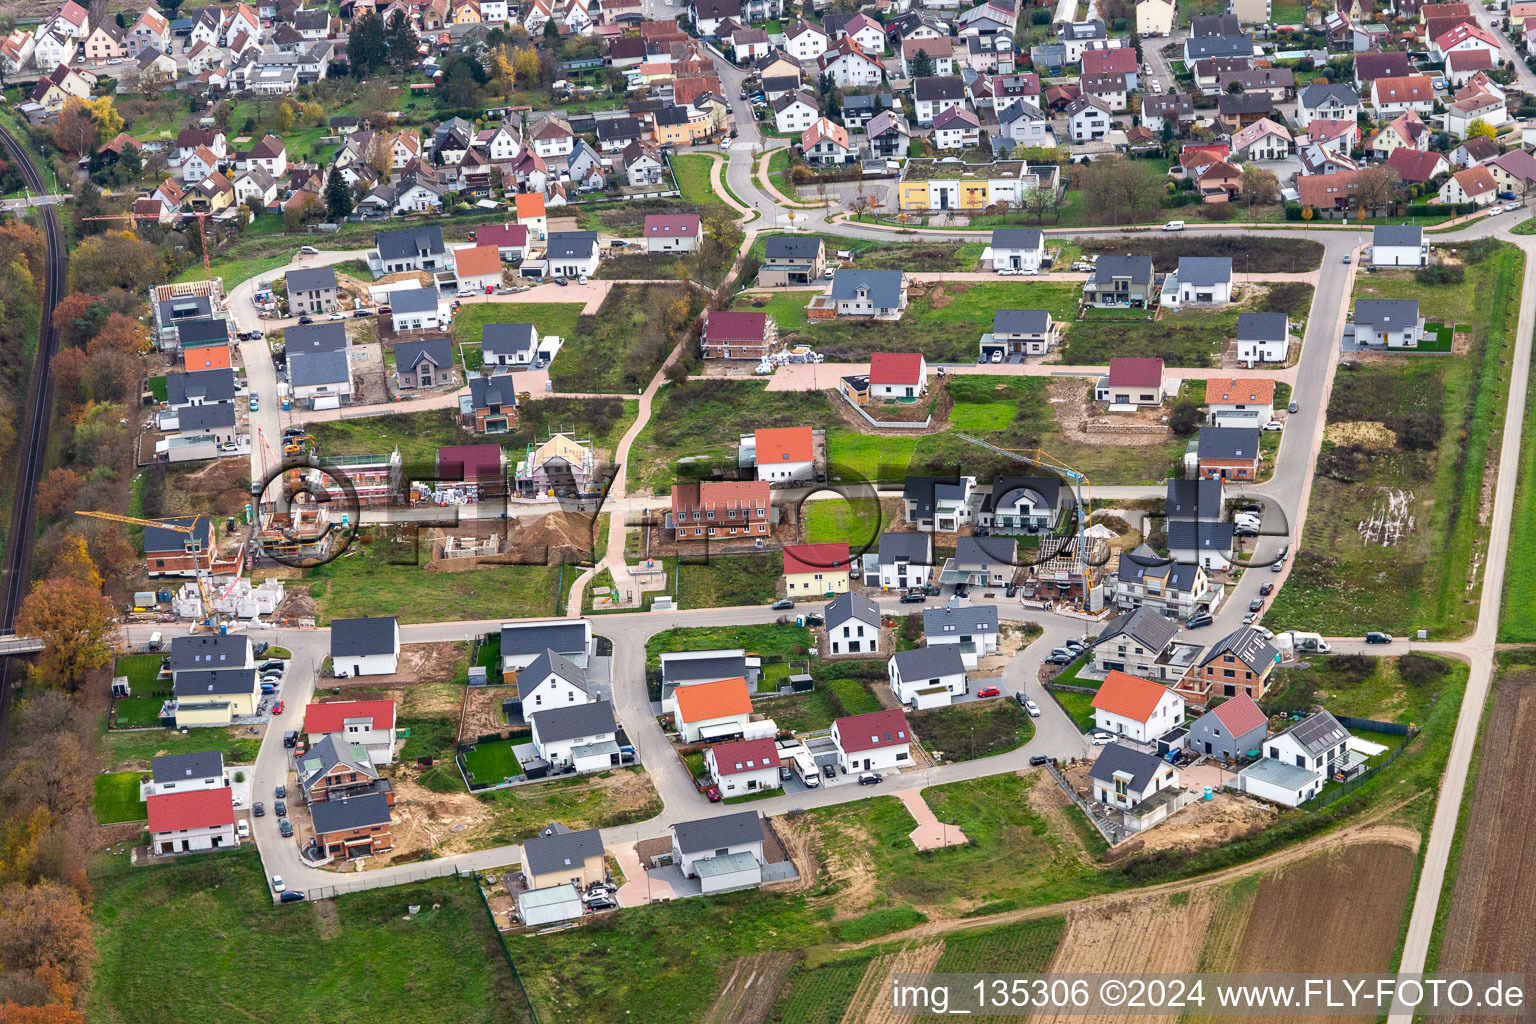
(379, 880)
(533, 1014)
(921, 424)
(1110, 837)
(1338, 792)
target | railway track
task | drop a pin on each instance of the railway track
(15, 572)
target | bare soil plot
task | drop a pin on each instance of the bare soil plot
(1152, 935)
(420, 663)
(750, 990)
(1076, 414)
(1488, 926)
(871, 1003)
(1205, 824)
(482, 712)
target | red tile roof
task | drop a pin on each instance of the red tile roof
(529, 204)
(1415, 167)
(1240, 714)
(752, 494)
(672, 225)
(802, 558)
(196, 808)
(700, 702)
(470, 462)
(1221, 390)
(901, 368)
(1128, 372)
(477, 261)
(332, 717)
(1128, 696)
(727, 326)
(1119, 61)
(785, 444)
(744, 756)
(872, 731)
(509, 235)
(1404, 89)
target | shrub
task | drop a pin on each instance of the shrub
(1352, 668)
(1418, 669)
(239, 776)
(1440, 274)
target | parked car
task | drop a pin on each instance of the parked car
(1032, 709)
(815, 620)
(280, 808)
(1100, 739)
(290, 897)
(1250, 618)
(1036, 760)
(243, 829)
(1293, 407)
(272, 663)
(989, 691)
(306, 320)
(1274, 425)
(782, 604)
(336, 314)
(870, 779)
(601, 903)
(1256, 604)
(1347, 258)
(254, 403)
(713, 792)
(277, 883)
(281, 792)
(277, 708)
(784, 773)
(1373, 637)
(285, 828)
(1059, 659)
(308, 250)
(1267, 589)
(562, 282)
(259, 809)
(360, 312)
(913, 597)
(291, 738)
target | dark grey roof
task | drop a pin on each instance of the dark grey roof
(1194, 499)
(1316, 734)
(782, 84)
(618, 128)
(719, 832)
(312, 19)
(205, 417)
(413, 300)
(960, 619)
(562, 637)
(1201, 536)
(213, 651)
(208, 385)
(851, 606)
(1041, 490)
(571, 244)
(574, 721)
(550, 663)
(332, 750)
(883, 286)
(1017, 238)
(201, 331)
(1021, 321)
(1398, 234)
(1144, 625)
(985, 550)
(204, 764)
(310, 368)
(687, 670)
(185, 307)
(313, 279)
(1387, 314)
(1214, 25)
(485, 392)
(1170, 105)
(358, 637)
(1144, 564)
(1248, 645)
(1220, 46)
(1229, 443)
(160, 539)
(1205, 270)
(1319, 93)
(1117, 757)
(407, 243)
(1021, 108)
(214, 682)
(1262, 326)
(913, 547)
(783, 247)
(328, 337)
(929, 662)
(1245, 103)
(557, 851)
(1093, 28)
(509, 339)
(1137, 268)
(939, 87)
(438, 351)
(350, 812)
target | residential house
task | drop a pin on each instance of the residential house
(191, 821)
(805, 41)
(322, 379)
(787, 261)
(938, 504)
(107, 42)
(582, 737)
(1142, 787)
(1077, 37)
(1174, 110)
(1398, 95)
(213, 696)
(897, 376)
(1229, 730)
(1263, 139)
(176, 552)
(1155, 18)
(714, 710)
(684, 668)
(720, 510)
(741, 335)
(1480, 108)
(489, 406)
(932, 96)
(1477, 150)
(643, 164)
(1341, 137)
(902, 560)
(514, 345)
(972, 629)
(1462, 38)
(940, 52)
(887, 136)
(531, 214)
(418, 248)
(254, 185)
(1371, 66)
(1463, 65)
(511, 240)
(1239, 401)
(982, 562)
(818, 570)
(1407, 130)
(1024, 124)
(742, 767)
(1088, 119)
(369, 724)
(672, 232)
(1206, 280)
(876, 741)
(151, 31)
(780, 454)
(1120, 281)
(311, 291)
(1024, 506)
(1240, 663)
(1515, 172)
(1279, 782)
(723, 852)
(335, 768)
(956, 129)
(1132, 383)
(1394, 323)
(849, 67)
(1141, 643)
(853, 622)
(1226, 45)
(16, 49)
(527, 641)
(1018, 249)
(416, 309)
(558, 855)
(355, 827)
(1111, 90)
(571, 253)
(184, 773)
(1417, 168)
(794, 113)
(825, 142)
(551, 136)
(881, 294)
(1318, 743)
(1017, 333)
(365, 647)
(1278, 84)
(1140, 710)
(1327, 101)
(1178, 590)
(1229, 453)
(1399, 245)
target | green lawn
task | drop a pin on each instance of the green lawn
(856, 520)
(418, 435)
(803, 713)
(213, 916)
(137, 712)
(1516, 622)
(977, 729)
(1398, 690)
(1445, 414)
(619, 350)
(1192, 338)
(143, 672)
(769, 640)
(234, 271)
(366, 581)
(125, 750)
(117, 798)
(1077, 706)
(156, 386)
(547, 318)
(692, 171)
(724, 581)
(491, 762)
(583, 801)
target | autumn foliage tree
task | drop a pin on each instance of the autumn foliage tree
(57, 490)
(78, 317)
(74, 621)
(46, 926)
(48, 1013)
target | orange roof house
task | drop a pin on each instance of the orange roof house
(214, 357)
(810, 559)
(477, 261)
(714, 710)
(1240, 390)
(784, 447)
(1138, 709)
(529, 204)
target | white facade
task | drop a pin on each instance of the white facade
(1400, 255)
(875, 759)
(853, 635)
(806, 45)
(371, 664)
(686, 861)
(553, 691)
(795, 117)
(191, 840)
(735, 783)
(1088, 124)
(561, 751)
(1169, 714)
(1217, 293)
(912, 691)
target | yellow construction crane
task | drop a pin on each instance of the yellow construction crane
(204, 590)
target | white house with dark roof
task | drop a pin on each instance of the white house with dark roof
(1263, 338)
(1318, 744)
(1017, 249)
(1144, 789)
(416, 309)
(552, 680)
(1393, 323)
(404, 249)
(1399, 245)
(365, 647)
(524, 641)
(973, 629)
(938, 504)
(1021, 505)
(1201, 280)
(1017, 333)
(1144, 579)
(582, 736)
(510, 345)
(928, 677)
(182, 773)
(903, 560)
(732, 839)
(852, 622)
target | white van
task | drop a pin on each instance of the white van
(154, 640)
(1174, 225)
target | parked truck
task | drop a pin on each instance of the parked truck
(1294, 642)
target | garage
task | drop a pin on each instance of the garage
(550, 905)
(732, 871)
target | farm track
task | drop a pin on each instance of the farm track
(34, 433)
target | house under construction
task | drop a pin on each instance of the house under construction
(561, 467)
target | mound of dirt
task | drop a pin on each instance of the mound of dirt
(562, 534)
(1361, 434)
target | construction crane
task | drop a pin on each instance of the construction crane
(1080, 484)
(204, 589)
(202, 228)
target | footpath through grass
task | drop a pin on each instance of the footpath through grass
(193, 938)
(1408, 447)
